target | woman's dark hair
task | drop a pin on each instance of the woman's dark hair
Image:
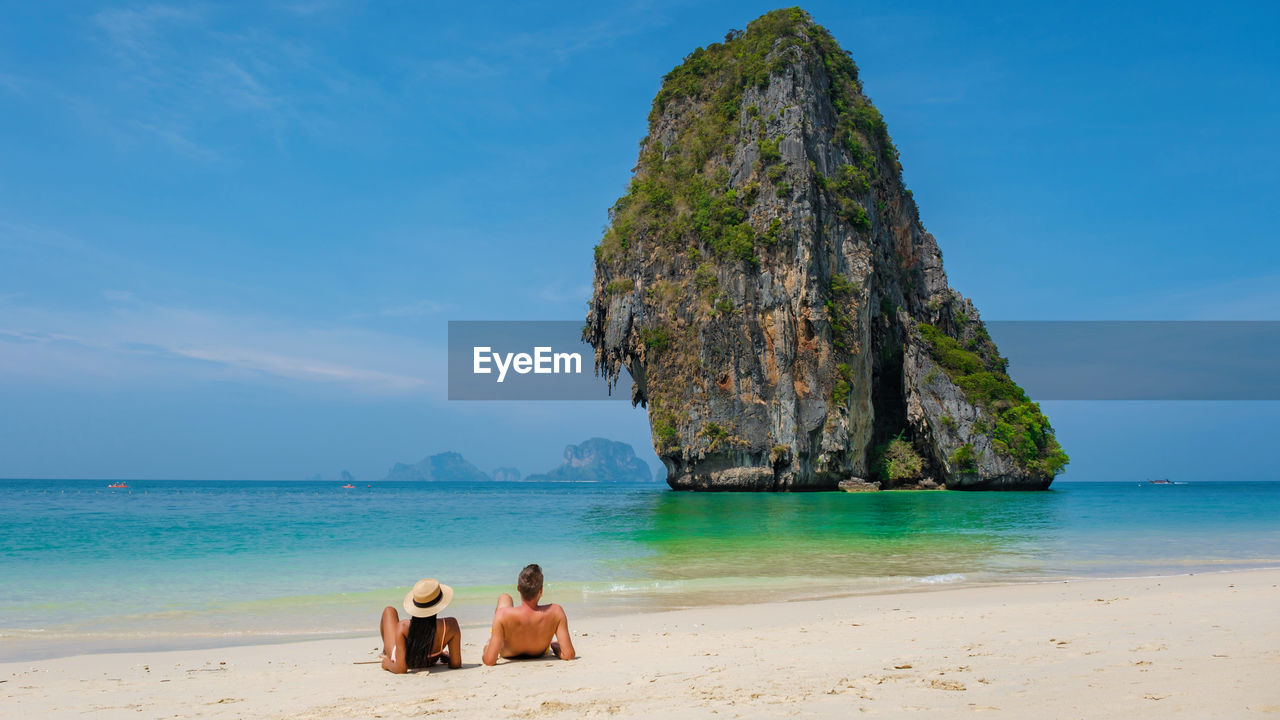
(419, 641)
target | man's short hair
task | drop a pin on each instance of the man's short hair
(530, 582)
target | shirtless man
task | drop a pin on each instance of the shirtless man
(526, 630)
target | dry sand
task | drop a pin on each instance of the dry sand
(1202, 646)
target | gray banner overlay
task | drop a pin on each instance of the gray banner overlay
(1142, 360)
(525, 360)
(1051, 360)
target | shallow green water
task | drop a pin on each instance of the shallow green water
(165, 564)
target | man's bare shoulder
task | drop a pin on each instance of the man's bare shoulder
(555, 610)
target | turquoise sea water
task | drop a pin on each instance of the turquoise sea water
(187, 564)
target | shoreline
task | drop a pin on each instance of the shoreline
(475, 616)
(619, 552)
(1206, 644)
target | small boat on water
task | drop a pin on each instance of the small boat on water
(118, 485)
(1159, 482)
(348, 486)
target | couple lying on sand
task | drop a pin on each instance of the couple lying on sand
(519, 631)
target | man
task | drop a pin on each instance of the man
(526, 630)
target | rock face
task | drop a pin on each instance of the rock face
(506, 474)
(598, 460)
(449, 466)
(784, 314)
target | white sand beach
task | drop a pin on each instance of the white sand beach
(1194, 646)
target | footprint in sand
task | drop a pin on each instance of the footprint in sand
(937, 684)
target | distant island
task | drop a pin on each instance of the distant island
(441, 466)
(594, 460)
(505, 474)
(598, 460)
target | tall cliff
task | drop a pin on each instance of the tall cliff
(768, 284)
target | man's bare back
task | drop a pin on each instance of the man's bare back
(528, 629)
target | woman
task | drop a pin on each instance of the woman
(420, 641)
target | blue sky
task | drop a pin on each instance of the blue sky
(231, 234)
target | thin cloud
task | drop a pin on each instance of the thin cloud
(418, 308)
(117, 295)
(176, 138)
(182, 76)
(1246, 298)
(534, 52)
(106, 341)
(460, 70)
(562, 294)
(13, 84)
(563, 43)
(243, 88)
(135, 30)
(315, 7)
(305, 369)
(23, 336)
(414, 309)
(137, 342)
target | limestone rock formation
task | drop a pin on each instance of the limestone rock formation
(768, 284)
(598, 460)
(506, 474)
(450, 466)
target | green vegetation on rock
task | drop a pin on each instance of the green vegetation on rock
(852, 181)
(769, 154)
(771, 235)
(655, 338)
(1020, 428)
(665, 433)
(963, 458)
(620, 286)
(844, 383)
(670, 201)
(896, 460)
(854, 213)
(841, 291)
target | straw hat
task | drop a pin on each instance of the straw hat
(427, 598)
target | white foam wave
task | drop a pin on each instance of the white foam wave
(628, 588)
(941, 579)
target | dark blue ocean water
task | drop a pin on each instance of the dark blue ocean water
(179, 563)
